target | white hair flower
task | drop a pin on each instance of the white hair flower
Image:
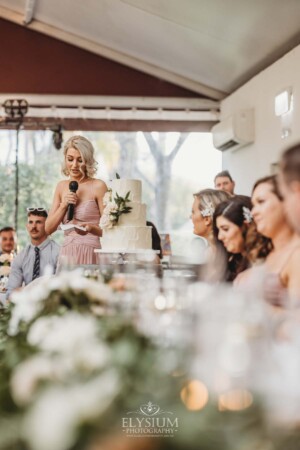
(208, 211)
(247, 214)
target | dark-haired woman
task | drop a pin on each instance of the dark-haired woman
(234, 227)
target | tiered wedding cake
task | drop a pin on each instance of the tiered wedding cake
(123, 231)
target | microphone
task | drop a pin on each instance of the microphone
(73, 186)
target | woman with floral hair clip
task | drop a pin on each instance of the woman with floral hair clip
(203, 247)
(234, 227)
(204, 205)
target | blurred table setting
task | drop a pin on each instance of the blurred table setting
(82, 349)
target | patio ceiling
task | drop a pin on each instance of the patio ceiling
(192, 50)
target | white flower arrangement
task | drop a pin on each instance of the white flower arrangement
(53, 419)
(4, 271)
(75, 364)
(114, 208)
(5, 262)
(68, 345)
(29, 301)
(71, 376)
(107, 197)
(6, 258)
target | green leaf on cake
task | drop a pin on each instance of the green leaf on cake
(121, 206)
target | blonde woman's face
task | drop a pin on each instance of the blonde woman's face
(200, 223)
(74, 163)
(230, 234)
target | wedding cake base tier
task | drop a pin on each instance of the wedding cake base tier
(127, 238)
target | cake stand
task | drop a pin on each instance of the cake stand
(123, 252)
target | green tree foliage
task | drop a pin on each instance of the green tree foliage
(39, 170)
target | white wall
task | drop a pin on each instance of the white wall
(254, 161)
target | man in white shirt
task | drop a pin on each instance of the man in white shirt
(41, 253)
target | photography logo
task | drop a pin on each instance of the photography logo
(150, 420)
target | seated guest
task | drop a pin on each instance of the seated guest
(203, 248)
(7, 240)
(289, 179)
(40, 253)
(271, 217)
(203, 209)
(224, 182)
(234, 227)
(156, 241)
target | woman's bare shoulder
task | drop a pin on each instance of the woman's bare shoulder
(295, 256)
(100, 184)
(60, 187)
(250, 276)
(292, 264)
(243, 277)
(62, 184)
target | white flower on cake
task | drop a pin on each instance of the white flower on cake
(114, 208)
(105, 221)
(107, 197)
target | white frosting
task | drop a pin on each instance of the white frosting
(126, 238)
(131, 232)
(122, 186)
(136, 217)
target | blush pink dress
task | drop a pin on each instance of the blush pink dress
(76, 248)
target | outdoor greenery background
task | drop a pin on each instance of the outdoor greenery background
(147, 156)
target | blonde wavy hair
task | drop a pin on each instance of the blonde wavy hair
(210, 198)
(86, 150)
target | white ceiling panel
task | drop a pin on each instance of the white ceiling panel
(215, 43)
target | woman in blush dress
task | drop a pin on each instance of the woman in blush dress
(277, 279)
(289, 180)
(80, 166)
(282, 264)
